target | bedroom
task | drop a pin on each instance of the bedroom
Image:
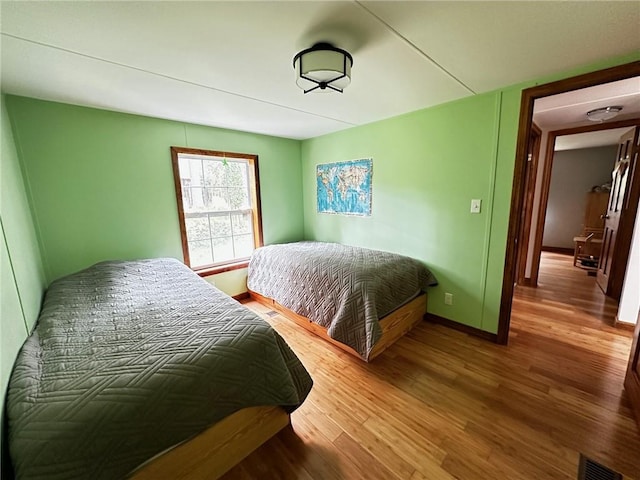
(85, 188)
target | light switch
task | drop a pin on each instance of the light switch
(475, 205)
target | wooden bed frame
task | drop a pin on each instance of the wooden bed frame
(394, 325)
(215, 451)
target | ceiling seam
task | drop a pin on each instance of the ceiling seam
(416, 48)
(169, 77)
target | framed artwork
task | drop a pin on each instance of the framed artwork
(345, 187)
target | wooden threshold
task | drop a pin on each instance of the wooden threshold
(393, 326)
(624, 325)
(213, 452)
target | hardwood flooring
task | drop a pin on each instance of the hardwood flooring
(440, 404)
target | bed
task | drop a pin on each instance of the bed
(360, 300)
(142, 369)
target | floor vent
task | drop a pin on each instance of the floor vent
(272, 313)
(592, 470)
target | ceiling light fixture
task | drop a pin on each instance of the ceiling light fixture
(323, 67)
(604, 113)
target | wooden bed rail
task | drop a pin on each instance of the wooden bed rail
(215, 451)
(394, 325)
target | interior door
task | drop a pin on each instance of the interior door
(621, 179)
(632, 379)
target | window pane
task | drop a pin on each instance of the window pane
(234, 174)
(214, 199)
(219, 210)
(223, 249)
(187, 199)
(191, 178)
(220, 226)
(195, 204)
(197, 228)
(241, 223)
(213, 173)
(218, 200)
(243, 245)
(194, 171)
(208, 198)
(200, 253)
(189, 168)
(235, 178)
(237, 198)
(245, 175)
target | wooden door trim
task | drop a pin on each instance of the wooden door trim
(631, 379)
(542, 209)
(628, 122)
(525, 229)
(529, 95)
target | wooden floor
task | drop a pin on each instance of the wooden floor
(440, 404)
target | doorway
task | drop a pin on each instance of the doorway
(573, 226)
(576, 216)
(589, 136)
(529, 96)
(628, 168)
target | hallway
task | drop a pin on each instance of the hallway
(570, 320)
(561, 282)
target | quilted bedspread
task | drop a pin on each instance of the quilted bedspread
(342, 288)
(131, 358)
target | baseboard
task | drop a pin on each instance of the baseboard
(562, 250)
(476, 332)
(241, 296)
(527, 282)
(624, 325)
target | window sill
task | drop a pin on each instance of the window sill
(205, 272)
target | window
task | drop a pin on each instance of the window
(218, 206)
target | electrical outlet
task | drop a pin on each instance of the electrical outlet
(448, 298)
(475, 205)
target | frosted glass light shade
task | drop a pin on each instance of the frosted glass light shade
(323, 67)
(605, 113)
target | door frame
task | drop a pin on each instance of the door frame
(632, 379)
(547, 172)
(529, 95)
(531, 177)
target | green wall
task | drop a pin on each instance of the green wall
(22, 279)
(102, 183)
(427, 166)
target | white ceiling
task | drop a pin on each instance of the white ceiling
(229, 64)
(590, 139)
(570, 109)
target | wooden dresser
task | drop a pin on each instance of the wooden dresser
(589, 243)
